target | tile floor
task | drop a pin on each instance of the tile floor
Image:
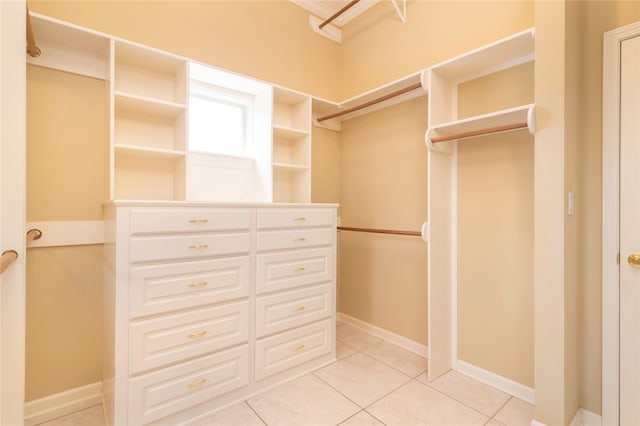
(373, 383)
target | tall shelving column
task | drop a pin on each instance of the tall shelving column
(149, 124)
(291, 156)
(442, 81)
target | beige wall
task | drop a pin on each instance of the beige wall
(378, 48)
(383, 184)
(495, 232)
(267, 40)
(66, 145)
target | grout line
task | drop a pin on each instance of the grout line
(246, 401)
(466, 405)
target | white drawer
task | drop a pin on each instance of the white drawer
(170, 390)
(171, 219)
(161, 288)
(168, 247)
(295, 218)
(278, 271)
(284, 311)
(299, 238)
(286, 350)
(170, 338)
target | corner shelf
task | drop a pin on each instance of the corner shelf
(291, 150)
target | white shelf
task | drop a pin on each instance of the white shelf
(147, 105)
(132, 150)
(502, 54)
(290, 167)
(69, 48)
(288, 132)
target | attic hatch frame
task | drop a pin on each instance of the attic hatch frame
(334, 33)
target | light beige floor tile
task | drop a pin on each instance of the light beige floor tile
(359, 339)
(92, 416)
(471, 392)
(515, 413)
(361, 378)
(423, 378)
(344, 330)
(236, 415)
(401, 359)
(362, 419)
(343, 350)
(493, 422)
(415, 404)
(306, 401)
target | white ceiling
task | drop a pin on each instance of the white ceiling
(325, 8)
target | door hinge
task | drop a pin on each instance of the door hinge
(618, 259)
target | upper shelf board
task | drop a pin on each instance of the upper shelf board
(508, 52)
(69, 48)
(327, 8)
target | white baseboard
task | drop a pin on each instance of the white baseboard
(516, 389)
(63, 403)
(590, 419)
(396, 339)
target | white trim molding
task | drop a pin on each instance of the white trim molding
(516, 389)
(610, 220)
(403, 342)
(68, 233)
(63, 403)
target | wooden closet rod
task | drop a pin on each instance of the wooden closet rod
(7, 258)
(32, 49)
(338, 13)
(380, 231)
(373, 102)
(487, 131)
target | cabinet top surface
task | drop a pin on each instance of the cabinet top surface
(205, 204)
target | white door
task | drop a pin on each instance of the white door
(630, 232)
(12, 208)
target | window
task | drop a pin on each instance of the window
(229, 142)
(219, 120)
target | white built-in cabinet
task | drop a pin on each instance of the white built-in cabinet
(148, 119)
(207, 304)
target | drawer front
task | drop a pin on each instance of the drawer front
(300, 238)
(161, 288)
(286, 350)
(284, 311)
(295, 218)
(171, 338)
(171, 219)
(278, 271)
(168, 391)
(153, 248)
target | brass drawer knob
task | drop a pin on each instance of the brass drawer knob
(634, 260)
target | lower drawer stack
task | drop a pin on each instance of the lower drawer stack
(208, 304)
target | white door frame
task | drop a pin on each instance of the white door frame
(12, 208)
(611, 222)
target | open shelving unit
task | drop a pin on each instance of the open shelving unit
(291, 156)
(444, 131)
(149, 134)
